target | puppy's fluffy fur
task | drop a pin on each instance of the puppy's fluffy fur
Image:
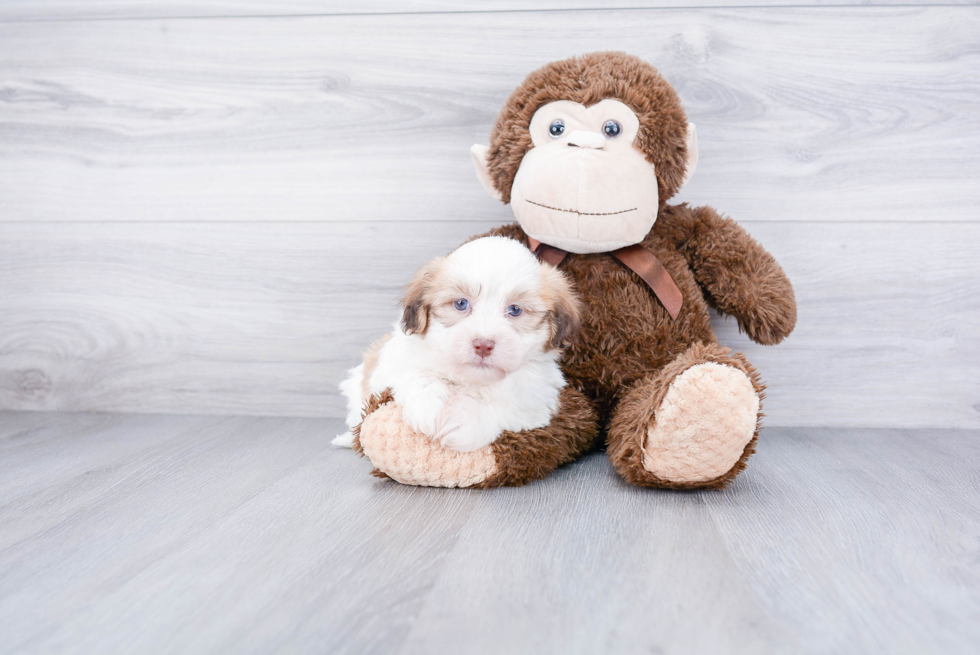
(477, 349)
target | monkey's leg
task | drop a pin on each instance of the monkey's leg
(691, 426)
(513, 459)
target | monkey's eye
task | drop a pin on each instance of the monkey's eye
(557, 128)
(514, 310)
(462, 304)
(612, 129)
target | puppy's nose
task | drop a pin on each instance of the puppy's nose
(483, 347)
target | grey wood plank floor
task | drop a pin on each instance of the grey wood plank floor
(153, 533)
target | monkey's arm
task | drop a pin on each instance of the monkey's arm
(513, 459)
(738, 276)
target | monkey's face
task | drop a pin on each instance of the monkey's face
(583, 187)
(585, 181)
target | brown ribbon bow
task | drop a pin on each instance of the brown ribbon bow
(636, 258)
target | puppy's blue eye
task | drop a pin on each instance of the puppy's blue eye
(461, 304)
(612, 129)
(557, 128)
(514, 310)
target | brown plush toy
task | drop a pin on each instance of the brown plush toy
(588, 151)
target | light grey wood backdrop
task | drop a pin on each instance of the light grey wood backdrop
(211, 207)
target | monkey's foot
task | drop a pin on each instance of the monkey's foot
(703, 424)
(693, 426)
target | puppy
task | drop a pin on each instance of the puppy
(477, 349)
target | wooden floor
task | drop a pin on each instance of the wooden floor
(153, 533)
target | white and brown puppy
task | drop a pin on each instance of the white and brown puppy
(477, 349)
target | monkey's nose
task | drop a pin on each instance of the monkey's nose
(483, 347)
(585, 139)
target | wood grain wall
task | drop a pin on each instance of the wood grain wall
(212, 210)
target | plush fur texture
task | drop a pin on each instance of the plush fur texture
(627, 336)
(637, 371)
(523, 457)
(478, 347)
(626, 333)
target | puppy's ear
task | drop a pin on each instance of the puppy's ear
(415, 305)
(565, 315)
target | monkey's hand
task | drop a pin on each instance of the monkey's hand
(515, 458)
(400, 452)
(739, 277)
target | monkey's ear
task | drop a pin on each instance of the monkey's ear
(479, 154)
(692, 153)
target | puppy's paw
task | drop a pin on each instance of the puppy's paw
(422, 408)
(345, 440)
(460, 427)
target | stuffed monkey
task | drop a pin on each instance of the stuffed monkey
(587, 151)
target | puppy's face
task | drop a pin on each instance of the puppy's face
(489, 307)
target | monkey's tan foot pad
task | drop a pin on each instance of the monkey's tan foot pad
(701, 428)
(408, 457)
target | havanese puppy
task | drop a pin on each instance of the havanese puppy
(477, 349)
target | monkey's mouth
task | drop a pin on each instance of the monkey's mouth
(575, 211)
